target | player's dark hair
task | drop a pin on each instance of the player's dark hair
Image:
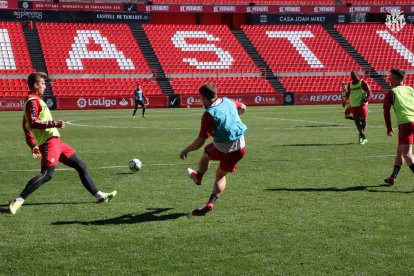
(35, 78)
(400, 73)
(208, 90)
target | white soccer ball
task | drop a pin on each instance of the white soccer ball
(135, 165)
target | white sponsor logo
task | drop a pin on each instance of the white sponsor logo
(191, 9)
(266, 99)
(173, 101)
(258, 9)
(49, 103)
(360, 9)
(378, 96)
(289, 9)
(192, 100)
(288, 99)
(325, 98)
(25, 5)
(123, 102)
(81, 102)
(324, 9)
(157, 8)
(304, 98)
(4, 4)
(395, 20)
(389, 9)
(224, 8)
(11, 104)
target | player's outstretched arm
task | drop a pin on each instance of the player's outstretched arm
(195, 145)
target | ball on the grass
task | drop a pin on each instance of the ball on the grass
(135, 165)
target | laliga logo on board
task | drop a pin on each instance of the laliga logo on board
(192, 100)
(395, 20)
(81, 103)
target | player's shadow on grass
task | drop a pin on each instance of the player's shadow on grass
(334, 189)
(152, 215)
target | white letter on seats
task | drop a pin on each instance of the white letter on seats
(226, 59)
(397, 46)
(295, 39)
(7, 61)
(109, 51)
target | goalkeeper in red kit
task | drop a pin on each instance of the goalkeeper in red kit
(43, 137)
(401, 98)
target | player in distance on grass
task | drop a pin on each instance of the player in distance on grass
(221, 121)
(401, 98)
(141, 100)
(358, 93)
(43, 138)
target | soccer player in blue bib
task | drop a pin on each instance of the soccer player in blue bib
(221, 121)
(140, 99)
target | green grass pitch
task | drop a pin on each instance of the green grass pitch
(307, 199)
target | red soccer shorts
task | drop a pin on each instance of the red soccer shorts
(406, 134)
(348, 111)
(360, 111)
(54, 150)
(228, 161)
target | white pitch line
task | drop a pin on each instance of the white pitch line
(186, 163)
(127, 127)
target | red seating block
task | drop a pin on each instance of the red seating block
(322, 84)
(14, 60)
(380, 46)
(193, 49)
(71, 48)
(103, 87)
(300, 48)
(231, 85)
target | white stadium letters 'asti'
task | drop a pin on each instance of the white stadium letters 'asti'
(7, 61)
(226, 59)
(109, 51)
(294, 38)
(397, 46)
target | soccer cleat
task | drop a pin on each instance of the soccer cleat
(390, 180)
(14, 206)
(106, 197)
(363, 141)
(133, 116)
(203, 210)
(194, 176)
(144, 116)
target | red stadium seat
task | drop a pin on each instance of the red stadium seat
(14, 60)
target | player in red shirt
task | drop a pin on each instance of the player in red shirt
(222, 122)
(43, 138)
(401, 98)
(358, 94)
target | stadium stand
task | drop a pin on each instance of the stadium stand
(103, 87)
(15, 61)
(299, 48)
(188, 53)
(94, 59)
(247, 2)
(380, 46)
(297, 55)
(239, 85)
(322, 84)
(377, 2)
